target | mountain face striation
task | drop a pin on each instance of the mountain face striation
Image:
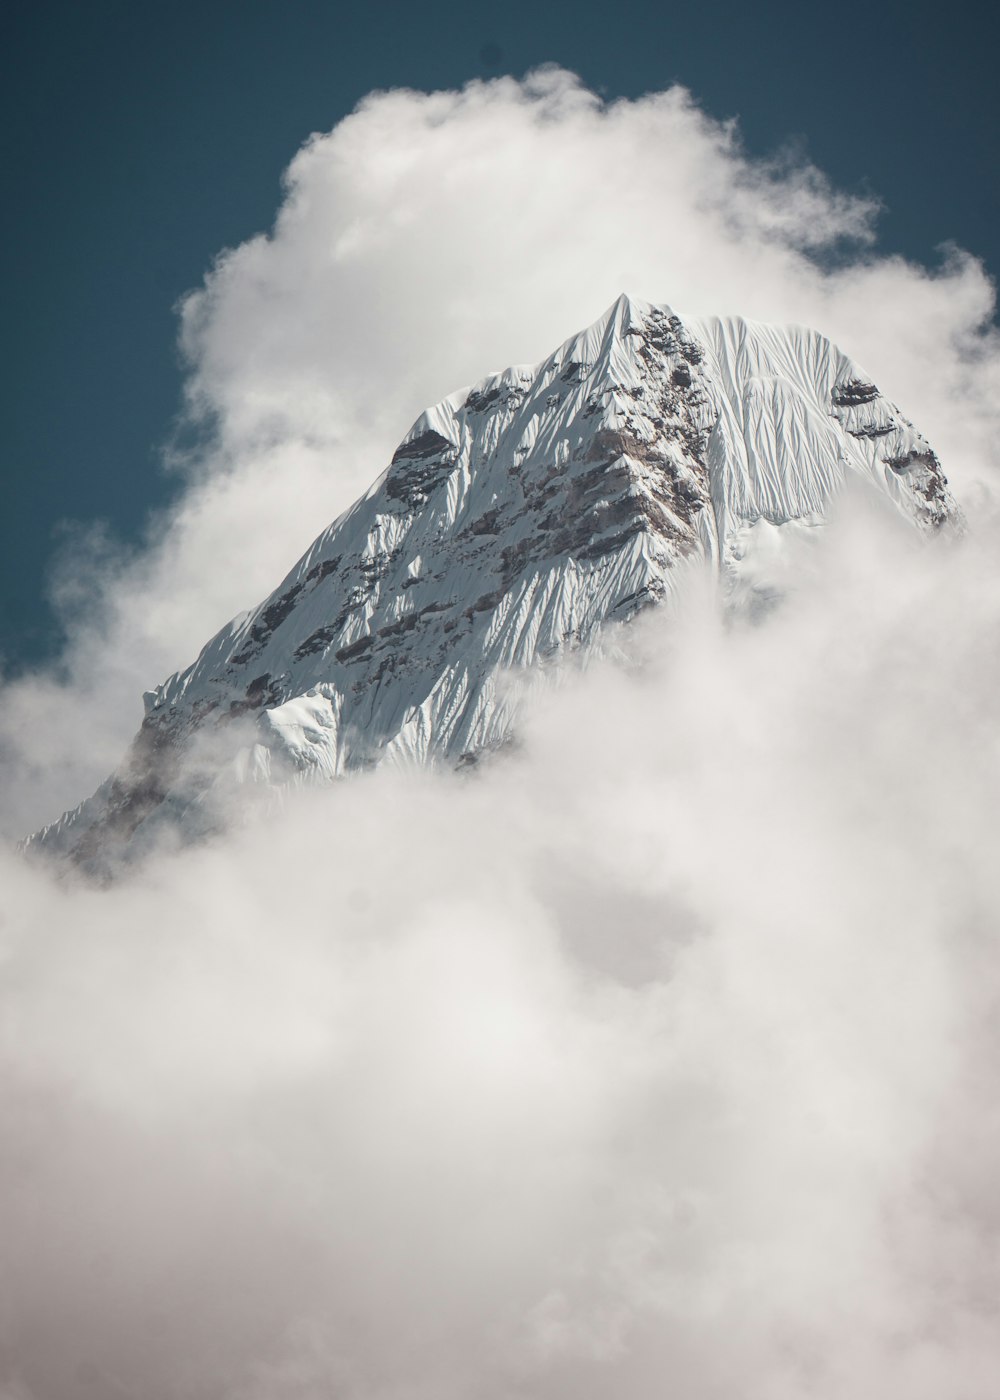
(515, 521)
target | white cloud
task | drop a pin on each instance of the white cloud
(665, 1048)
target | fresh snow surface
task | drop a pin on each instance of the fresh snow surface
(516, 520)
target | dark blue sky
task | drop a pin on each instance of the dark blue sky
(139, 138)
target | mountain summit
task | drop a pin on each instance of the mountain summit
(515, 520)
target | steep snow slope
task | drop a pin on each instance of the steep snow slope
(515, 520)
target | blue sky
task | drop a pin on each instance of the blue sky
(141, 139)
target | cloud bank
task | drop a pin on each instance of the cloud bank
(661, 1053)
(666, 1048)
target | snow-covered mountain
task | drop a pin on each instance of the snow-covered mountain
(516, 520)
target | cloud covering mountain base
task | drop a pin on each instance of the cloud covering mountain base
(660, 1053)
(664, 1047)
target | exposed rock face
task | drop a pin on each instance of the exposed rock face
(514, 521)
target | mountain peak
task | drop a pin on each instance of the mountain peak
(516, 520)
